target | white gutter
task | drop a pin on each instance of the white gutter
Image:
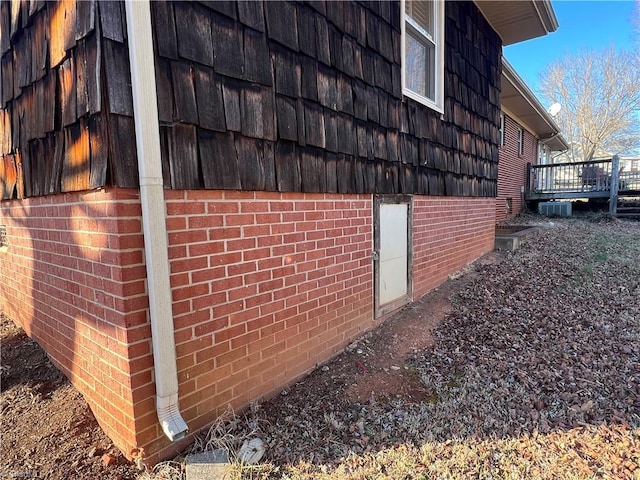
(145, 108)
(525, 92)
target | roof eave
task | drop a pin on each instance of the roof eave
(525, 105)
(556, 143)
(517, 21)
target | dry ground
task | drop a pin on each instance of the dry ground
(47, 429)
(525, 366)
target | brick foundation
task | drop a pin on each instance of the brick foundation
(73, 278)
(448, 234)
(265, 287)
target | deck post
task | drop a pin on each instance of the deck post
(615, 181)
(528, 181)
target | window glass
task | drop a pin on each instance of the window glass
(520, 141)
(420, 66)
(423, 49)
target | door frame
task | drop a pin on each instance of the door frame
(379, 200)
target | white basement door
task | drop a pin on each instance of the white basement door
(393, 252)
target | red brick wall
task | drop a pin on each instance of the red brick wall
(448, 234)
(265, 286)
(512, 169)
(73, 277)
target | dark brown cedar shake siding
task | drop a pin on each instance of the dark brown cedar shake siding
(278, 122)
(295, 97)
(274, 96)
(512, 173)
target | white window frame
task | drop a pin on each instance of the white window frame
(520, 141)
(502, 129)
(438, 102)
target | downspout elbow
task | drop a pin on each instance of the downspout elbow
(172, 423)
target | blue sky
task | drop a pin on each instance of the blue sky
(590, 24)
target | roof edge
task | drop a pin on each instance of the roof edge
(523, 89)
(547, 15)
(546, 23)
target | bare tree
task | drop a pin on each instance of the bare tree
(635, 23)
(599, 91)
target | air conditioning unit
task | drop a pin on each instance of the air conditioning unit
(555, 209)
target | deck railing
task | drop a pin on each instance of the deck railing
(592, 176)
(592, 179)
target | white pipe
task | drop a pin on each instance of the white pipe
(145, 107)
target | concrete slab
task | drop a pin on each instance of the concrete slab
(207, 465)
(509, 238)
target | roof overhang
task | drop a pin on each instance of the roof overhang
(519, 20)
(518, 100)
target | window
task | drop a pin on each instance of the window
(423, 52)
(520, 141)
(501, 129)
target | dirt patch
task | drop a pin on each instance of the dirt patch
(380, 360)
(378, 366)
(48, 430)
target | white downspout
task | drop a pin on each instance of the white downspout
(145, 107)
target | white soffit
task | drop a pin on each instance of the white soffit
(520, 102)
(519, 20)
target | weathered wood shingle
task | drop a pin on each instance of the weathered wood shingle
(313, 171)
(257, 59)
(165, 29)
(193, 28)
(77, 158)
(67, 83)
(257, 172)
(111, 20)
(5, 27)
(251, 14)
(123, 158)
(231, 96)
(82, 70)
(99, 146)
(93, 58)
(118, 77)
(287, 118)
(85, 18)
(287, 72)
(186, 106)
(257, 108)
(219, 160)
(164, 92)
(307, 31)
(282, 23)
(208, 87)
(287, 167)
(228, 54)
(183, 157)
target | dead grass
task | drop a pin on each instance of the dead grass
(578, 454)
(582, 453)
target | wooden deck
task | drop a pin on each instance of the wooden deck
(593, 179)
